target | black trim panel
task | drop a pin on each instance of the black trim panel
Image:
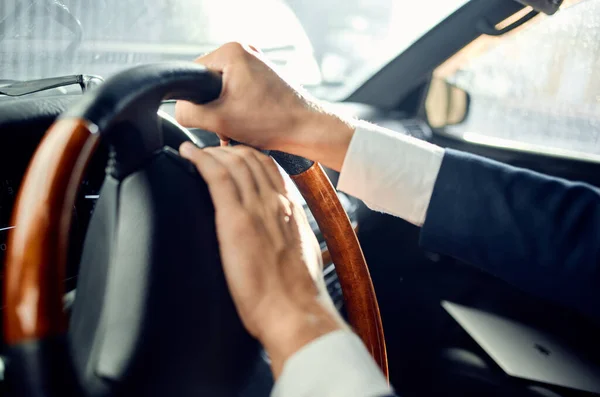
(413, 67)
(41, 369)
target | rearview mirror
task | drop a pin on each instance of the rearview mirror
(445, 104)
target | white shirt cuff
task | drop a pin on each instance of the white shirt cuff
(391, 172)
(334, 365)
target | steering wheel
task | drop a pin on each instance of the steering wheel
(151, 297)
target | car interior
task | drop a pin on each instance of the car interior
(144, 297)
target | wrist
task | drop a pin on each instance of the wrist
(289, 326)
(323, 137)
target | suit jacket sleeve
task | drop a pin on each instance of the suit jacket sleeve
(540, 233)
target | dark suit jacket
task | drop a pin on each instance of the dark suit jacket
(539, 233)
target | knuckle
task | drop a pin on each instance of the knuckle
(244, 151)
(284, 206)
(235, 48)
(296, 208)
(182, 114)
(263, 158)
(218, 124)
(276, 173)
(276, 203)
(270, 164)
(220, 174)
(237, 161)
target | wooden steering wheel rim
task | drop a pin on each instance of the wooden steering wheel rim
(35, 264)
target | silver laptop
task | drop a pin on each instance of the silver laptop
(524, 352)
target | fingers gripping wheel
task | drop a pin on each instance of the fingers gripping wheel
(35, 262)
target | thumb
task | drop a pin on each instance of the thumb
(191, 115)
(205, 117)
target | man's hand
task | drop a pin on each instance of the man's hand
(270, 256)
(259, 108)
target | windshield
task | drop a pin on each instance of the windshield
(536, 88)
(330, 46)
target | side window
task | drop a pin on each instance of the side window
(538, 86)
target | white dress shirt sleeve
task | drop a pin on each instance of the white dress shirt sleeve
(391, 172)
(334, 365)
